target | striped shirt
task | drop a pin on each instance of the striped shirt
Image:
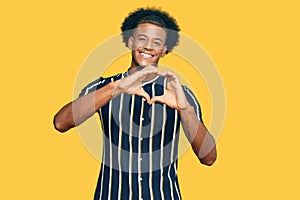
(140, 144)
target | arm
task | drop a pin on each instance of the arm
(201, 140)
(76, 112)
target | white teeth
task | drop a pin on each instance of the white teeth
(145, 55)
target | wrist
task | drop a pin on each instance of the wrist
(114, 92)
(186, 108)
(183, 104)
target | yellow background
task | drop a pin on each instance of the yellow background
(255, 45)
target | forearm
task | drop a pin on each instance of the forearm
(76, 112)
(202, 141)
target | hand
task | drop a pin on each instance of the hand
(132, 84)
(174, 95)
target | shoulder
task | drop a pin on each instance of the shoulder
(192, 99)
(109, 79)
(100, 82)
(189, 92)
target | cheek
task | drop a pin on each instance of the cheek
(137, 45)
(159, 52)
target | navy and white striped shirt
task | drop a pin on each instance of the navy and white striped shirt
(140, 144)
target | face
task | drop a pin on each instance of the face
(147, 44)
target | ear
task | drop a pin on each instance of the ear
(163, 52)
(130, 43)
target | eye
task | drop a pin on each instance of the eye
(157, 43)
(141, 38)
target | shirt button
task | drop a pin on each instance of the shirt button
(143, 118)
(141, 158)
(141, 178)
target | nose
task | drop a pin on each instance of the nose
(148, 45)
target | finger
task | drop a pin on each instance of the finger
(157, 99)
(171, 75)
(141, 92)
(168, 74)
(148, 67)
(151, 66)
(150, 70)
(141, 74)
(163, 73)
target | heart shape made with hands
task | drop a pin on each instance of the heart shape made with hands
(168, 98)
(174, 96)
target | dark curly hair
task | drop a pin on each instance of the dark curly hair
(154, 16)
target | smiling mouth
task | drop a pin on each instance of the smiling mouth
(146, 55)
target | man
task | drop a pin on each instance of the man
(140, 111)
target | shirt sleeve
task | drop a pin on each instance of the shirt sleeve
(193, 101)
(93, 86)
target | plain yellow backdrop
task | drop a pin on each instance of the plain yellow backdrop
(255, 45)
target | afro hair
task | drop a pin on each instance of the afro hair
(154, 16)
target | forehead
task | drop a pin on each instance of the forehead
(150, 30)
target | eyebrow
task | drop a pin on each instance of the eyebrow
(147, 37)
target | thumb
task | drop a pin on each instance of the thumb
(141, 92)
(157, 99)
